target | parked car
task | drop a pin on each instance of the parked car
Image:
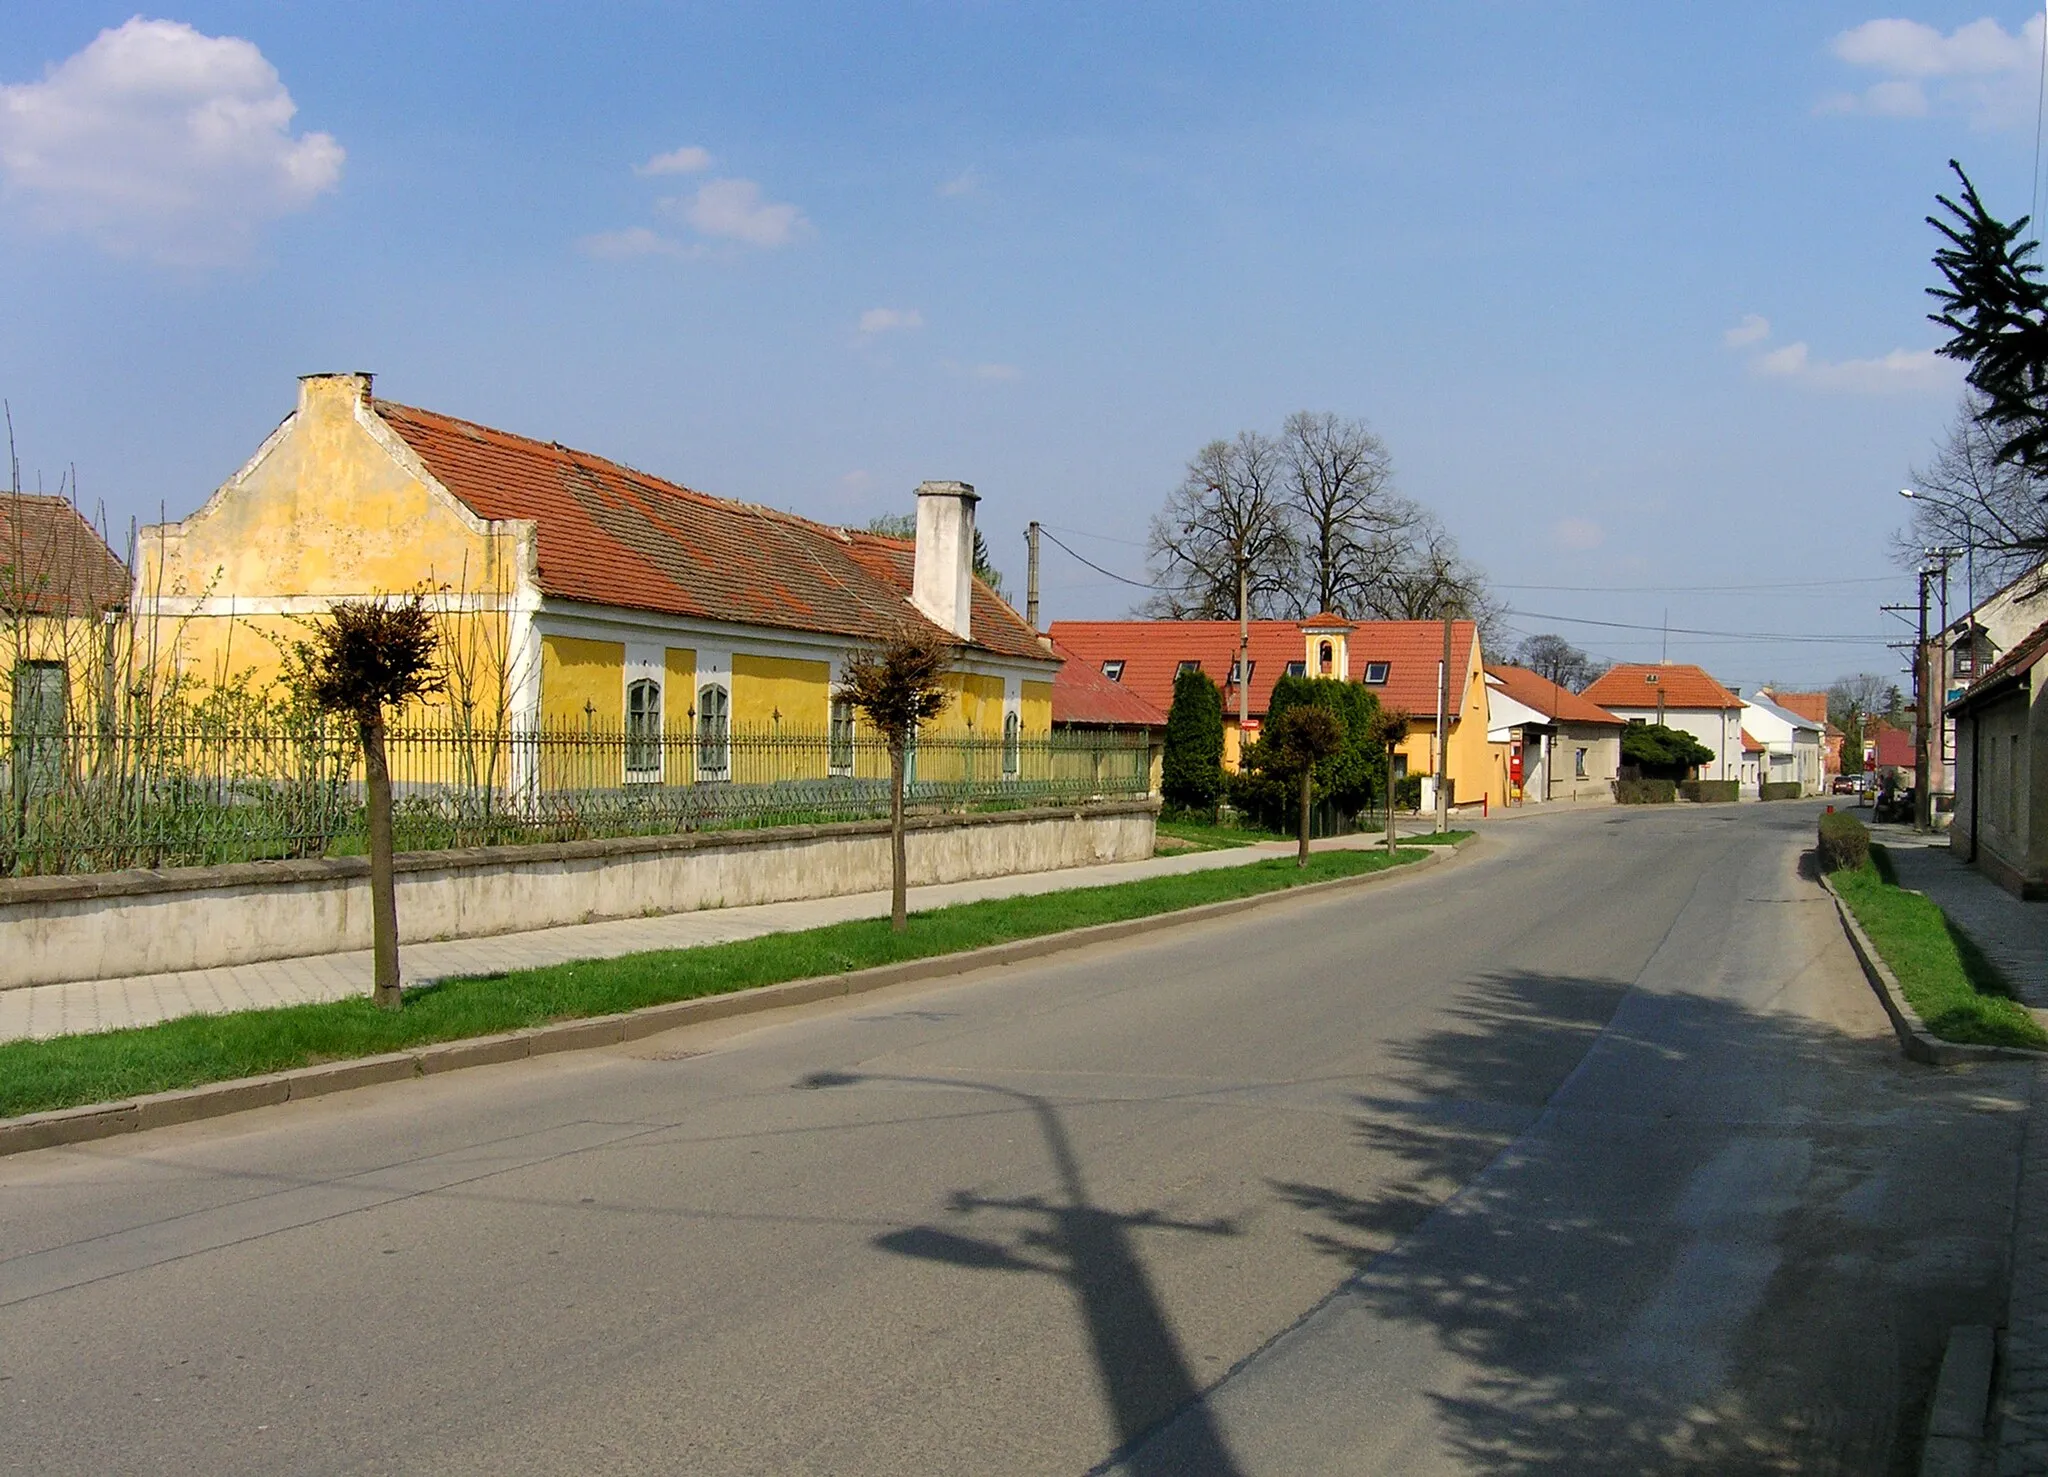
(1847, 784)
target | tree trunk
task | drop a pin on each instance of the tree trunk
(899, 910)
(383, 889)
(1391, 833)
(1308, 778)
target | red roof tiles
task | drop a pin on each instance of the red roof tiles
(1082, 694)
(1637, 685)
(612, 536)
(1809, 705)
(53, 562)
(1533, 690)
(1152, 652)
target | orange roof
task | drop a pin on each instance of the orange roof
(53, 562)
(1082, 694)
(1152, 652)
(1893, 747)
(612, 536)
(1750, 745)
(1812, 705)
(1534, 690)
(1637, 685)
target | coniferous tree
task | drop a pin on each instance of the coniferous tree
(1191, 770)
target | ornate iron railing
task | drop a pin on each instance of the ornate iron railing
(83, 798)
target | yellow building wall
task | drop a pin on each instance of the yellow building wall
(1034, 709)
(768, 691)
(582, 683)
(975, 703)
(678, 714)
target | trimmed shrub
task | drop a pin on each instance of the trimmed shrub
(1844, 842)
(1408, 792)
(1350, 780)
(1191, 770)
(1658, 752)
(1783, 790)
(1703, 791)
(1645, 792)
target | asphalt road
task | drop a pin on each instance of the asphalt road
(1589, 1153)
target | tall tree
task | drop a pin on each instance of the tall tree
(1228, 514)
(1863, 695)
(1968, 497)
(366, 658)
(1351, 528)
(898, 687)
(1298, 740)
(1995, 306)
(1560, 661)
(1191, 768)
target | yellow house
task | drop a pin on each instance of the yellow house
(62, 595)
(1398, 660)
(576, 595)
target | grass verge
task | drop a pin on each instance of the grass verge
(114, 1065)
(1207, 836)
(1959, 993)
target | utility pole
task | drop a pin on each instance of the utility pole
(1244, 658)
(1923, 803)
(1031, 576)
(1443, 704)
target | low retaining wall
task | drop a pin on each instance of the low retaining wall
(55, 930)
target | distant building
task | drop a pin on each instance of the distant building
(61, 589)
(1549, 742)
(1794, 750)
(1680, 696)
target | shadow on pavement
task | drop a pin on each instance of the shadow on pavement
(1143, 1372)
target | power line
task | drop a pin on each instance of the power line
(1122, 579)
(1133, 543)
(1701, 589)
(1537, 615)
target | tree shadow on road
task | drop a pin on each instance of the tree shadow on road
(1689, 1318)
(1139, 1362)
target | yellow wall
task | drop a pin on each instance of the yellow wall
(1034, 709)
(678, 707)
(974, 702)
(582, 689)
(764, 687)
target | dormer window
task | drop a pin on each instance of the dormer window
(1249, 669)
(1114, 671)
(1376, 673)
(1297, 669)
(1185, 667)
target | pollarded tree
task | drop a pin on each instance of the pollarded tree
(1350, 778)
(898, 687)
(1191, 769)
(367, 658)
(1389, 732)
(1293, 745)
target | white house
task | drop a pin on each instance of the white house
(1549, 743)
(1794, 746)
(1679, 696)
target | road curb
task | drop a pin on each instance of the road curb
(217, 1099)
(1918, 1043)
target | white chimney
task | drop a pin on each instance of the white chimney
(942, 579)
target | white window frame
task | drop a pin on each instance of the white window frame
(1380, 667)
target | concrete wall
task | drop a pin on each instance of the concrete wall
(56, 929)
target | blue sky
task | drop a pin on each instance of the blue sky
(1633, 293)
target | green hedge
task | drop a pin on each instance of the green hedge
(1785, 790)
(1645, 792)
(1705, 790)
(1844, 842)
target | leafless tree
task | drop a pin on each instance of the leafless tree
(1351, 528)
(898, 686)
(1560, 661)
(1968, 499)
(1433, 580)
(1864, 695)
(1228, 512)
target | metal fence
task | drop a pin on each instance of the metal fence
(90, 799)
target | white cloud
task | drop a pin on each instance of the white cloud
(1753, 329)
(889, 320)
(156, 140)
(1980, 69)
(733, 210)
(1902, 371)
(631, 242)
(1578, 534)
(964, 183)
(689, 159)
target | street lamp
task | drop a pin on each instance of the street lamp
(1969, 537)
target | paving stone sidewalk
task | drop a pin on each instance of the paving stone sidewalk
(43, 1011)
(2015, 935)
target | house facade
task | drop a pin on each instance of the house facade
(1680, 696)
(1398, 661)
(1793, 746)
(2001, 809)
(1549, 743)
(573, 593)
(62, 595)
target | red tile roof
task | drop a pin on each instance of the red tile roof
(2022, 656)
(1750, 745)
(1810, 705)
(1152, 652)
(612, 536)
(1893, 747)
(1637, 684)
(1534, 690)
(1082, 694)
(53, 562)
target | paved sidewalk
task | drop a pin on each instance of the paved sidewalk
(2015, 935)
(43, 1011)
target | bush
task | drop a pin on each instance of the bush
(1191, 770)
(1783, 790)
(1703, 791)
(1645, 792)
(1844, 842)
(1408, 792)
(1350, 779)
(1659, 752)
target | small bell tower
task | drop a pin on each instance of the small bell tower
(1326, 646)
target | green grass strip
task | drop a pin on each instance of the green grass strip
(113, 1065)
(1959, 993)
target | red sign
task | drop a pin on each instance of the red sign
(1515, 763)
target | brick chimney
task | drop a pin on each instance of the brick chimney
(942, 579)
